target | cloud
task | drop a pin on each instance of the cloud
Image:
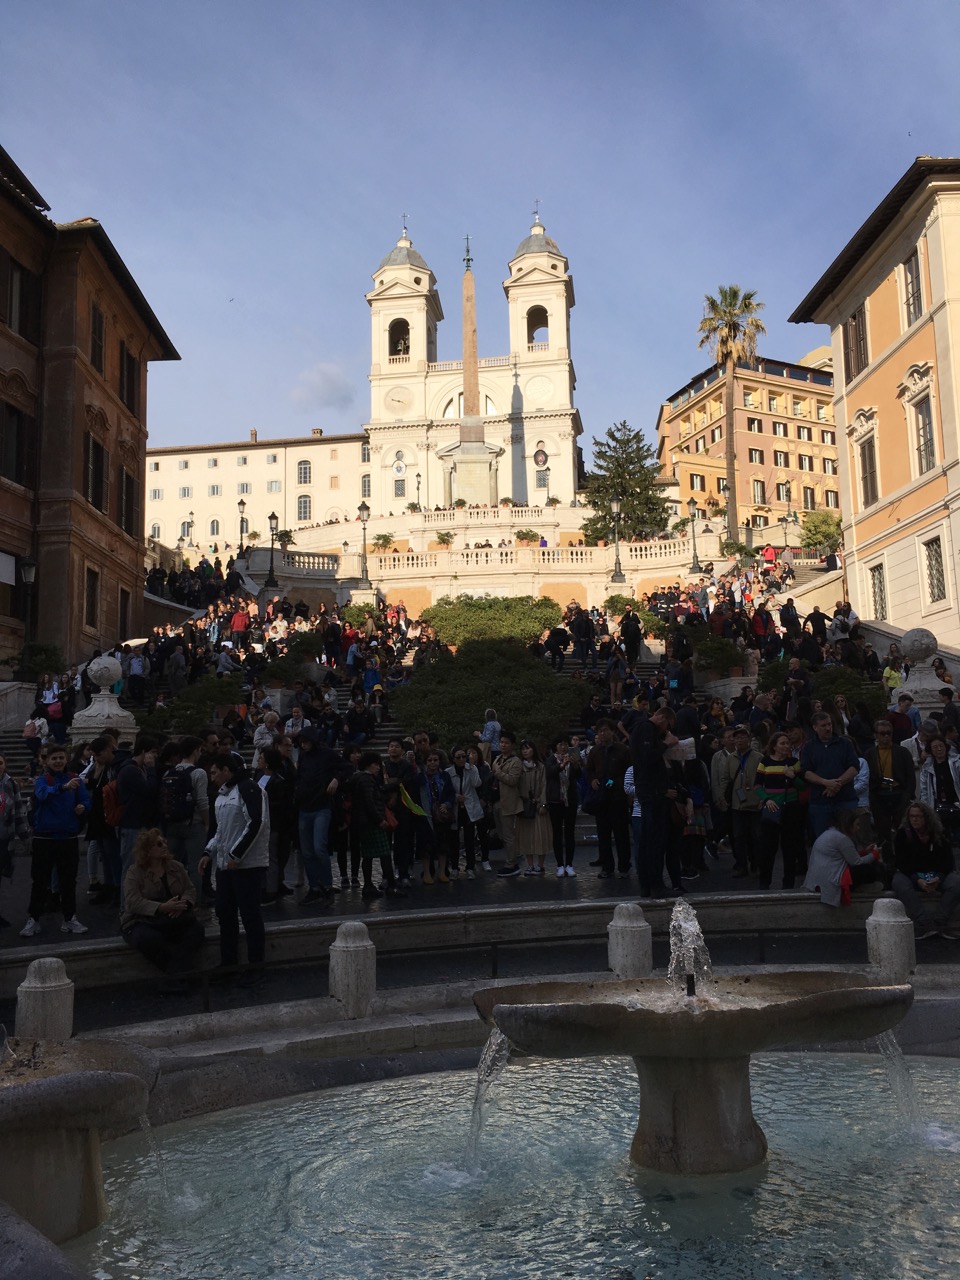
(323, 386)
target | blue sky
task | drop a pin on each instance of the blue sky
(251, 160)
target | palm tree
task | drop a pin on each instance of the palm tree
(731, 326)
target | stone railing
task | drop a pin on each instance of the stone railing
(486, 362)
(489, 515)
(308, 562)
(17, 699)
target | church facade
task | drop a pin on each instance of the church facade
(518, 423)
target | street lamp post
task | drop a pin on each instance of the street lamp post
(274, 526)
(241, 507)
(617, 567)
(419, 478)
(180, 545)
(190, 529)
(692, 508)
(364, 583)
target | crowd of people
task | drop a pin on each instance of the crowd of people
(292, 804)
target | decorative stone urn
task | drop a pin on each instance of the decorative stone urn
(923, 684)
(104, 712)
(55, 1102)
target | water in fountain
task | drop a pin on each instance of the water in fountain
(492, 1064)
(901, 1081)
(689, 957)
(151, 1137)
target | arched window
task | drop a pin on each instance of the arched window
(155, 532)
(304, 505)
(538, 327)
(304, 473)
(364, 486)
(399, 340)
(214, 528)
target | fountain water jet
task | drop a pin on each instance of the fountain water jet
(692, 1049)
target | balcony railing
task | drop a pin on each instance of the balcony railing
(398, 359)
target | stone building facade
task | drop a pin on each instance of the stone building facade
(76, 336)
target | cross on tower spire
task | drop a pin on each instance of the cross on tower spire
(467, 259)
(403, 223)
(536, 212)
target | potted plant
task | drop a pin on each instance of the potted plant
(413, 507)
(460, 503)
(285, 539)
(506, 502)
(445, 538)
(528, 537)
(717, 657)
(553, 502)
(383, 541)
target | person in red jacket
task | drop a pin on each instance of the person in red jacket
(239, 625)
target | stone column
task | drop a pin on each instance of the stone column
(630, 942)
(891, 942)
(45, 1002)
(353, 969)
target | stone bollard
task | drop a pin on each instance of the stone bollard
(353, 969)
(45, 1002)
(891, 946)
(630, 943)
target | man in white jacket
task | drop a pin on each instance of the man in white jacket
(240, 847)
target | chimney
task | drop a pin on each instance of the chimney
(253, 435)
(317, 431)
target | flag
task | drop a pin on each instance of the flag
(409, 803)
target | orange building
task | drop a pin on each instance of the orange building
(784, 434)
(892, 301)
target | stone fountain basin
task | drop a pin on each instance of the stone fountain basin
(730, 1017)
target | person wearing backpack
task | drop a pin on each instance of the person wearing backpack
(61, 804)
(137, 794)
(184, 805)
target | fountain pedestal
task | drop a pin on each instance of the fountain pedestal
(696, 1116)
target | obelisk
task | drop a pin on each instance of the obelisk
(472, 457)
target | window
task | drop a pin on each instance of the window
(365, 451)
(805, 461)
(755, 425)
(698, 483)
(830, 467)
(759, 493)
(243, 487)
(185, 491)
(832, 499)
(878, 592)
(756, 456)
(155, 532)
(334, 482)
(855, 344)
(780, 458)
(828, 437)
(721, 484)
(759, 522)
(156, 495)
(214, 528)
(91, 598)
(129, 379)
(926, 455)
(701, 445)
(304, 473)
(364, 486)
(399, 488)
(334, 455)
(868, 473)
(186, 530)
(95, 459)
(543, 479)
(272, 459)
(822, 415)
(804, 433)
(183, 464)
(780, 429)
(716, 434)
(153, 466)
(783, 492)
(128, 502)
(304, 507)
(273, 486)
(798, 409)
(749, 400)
(96, 338)
(214, 490)
(933, 554)
(241, 459)
(809, 498)
(19, 298)
(913, 302)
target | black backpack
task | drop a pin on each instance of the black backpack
(176, 795)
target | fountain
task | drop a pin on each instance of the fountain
(691, 1040)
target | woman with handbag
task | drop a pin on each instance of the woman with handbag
(534, 833)
(158, 914)
(779, 784)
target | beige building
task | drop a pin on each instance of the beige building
(786, 443)
(892, 301)
(406, 453)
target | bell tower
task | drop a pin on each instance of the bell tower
(540, 297)
(405, 311)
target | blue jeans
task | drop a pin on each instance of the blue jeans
(315, 847)
(821, 815)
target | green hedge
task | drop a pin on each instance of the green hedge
(459, 619)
